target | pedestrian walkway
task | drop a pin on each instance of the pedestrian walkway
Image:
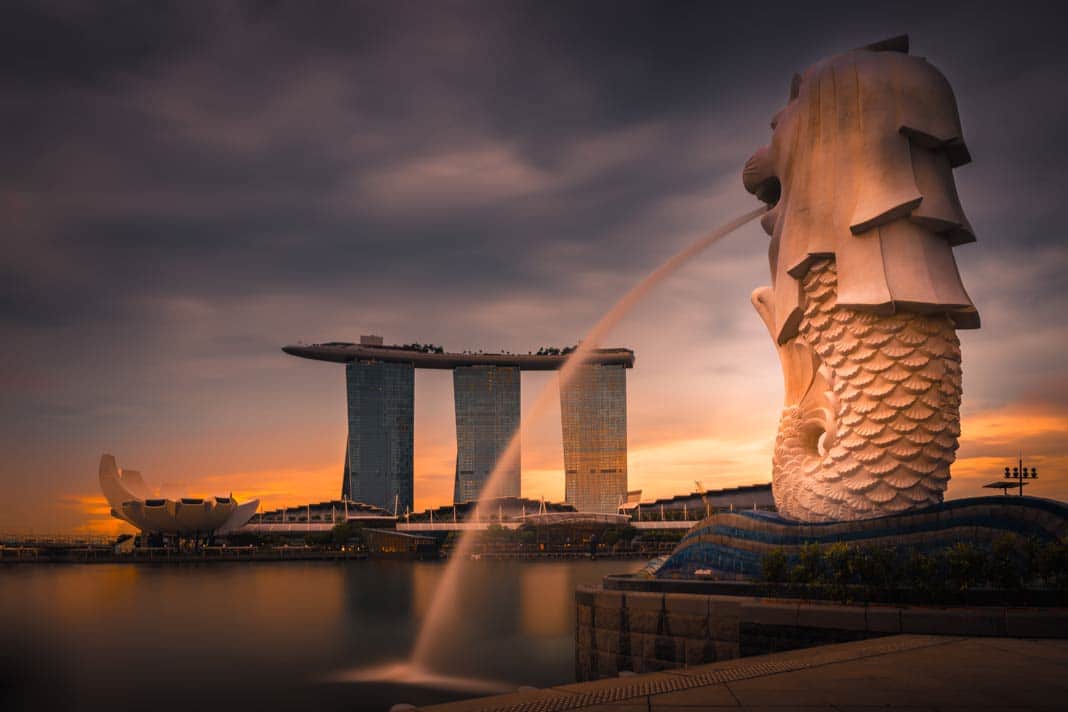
(911, 672)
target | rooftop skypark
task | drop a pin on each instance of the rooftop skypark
(433, 356)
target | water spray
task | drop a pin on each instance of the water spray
(445, 598)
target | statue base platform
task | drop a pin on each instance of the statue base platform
(733, 545)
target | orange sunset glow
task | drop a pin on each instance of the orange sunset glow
(661, 467)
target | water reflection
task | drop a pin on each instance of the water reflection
(267, 635)
(546, 601)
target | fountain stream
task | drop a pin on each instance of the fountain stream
(426, 654)
(444, 601)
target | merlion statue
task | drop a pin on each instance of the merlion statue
(865, 297)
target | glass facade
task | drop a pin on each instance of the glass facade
(378, 456)
(487, 415)
(593, 415)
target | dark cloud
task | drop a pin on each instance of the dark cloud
(52, 43)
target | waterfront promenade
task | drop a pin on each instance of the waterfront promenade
(907, 672)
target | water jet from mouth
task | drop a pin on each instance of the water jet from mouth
(443, 606)
(445, 598)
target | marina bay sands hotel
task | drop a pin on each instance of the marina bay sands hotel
(380, 385)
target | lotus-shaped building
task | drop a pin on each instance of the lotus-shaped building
(131, 501)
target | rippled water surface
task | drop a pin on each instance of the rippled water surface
(274, 635)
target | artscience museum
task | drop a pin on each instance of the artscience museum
(194, 517)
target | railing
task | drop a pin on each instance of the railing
(665, 524)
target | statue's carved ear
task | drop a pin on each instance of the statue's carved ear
(892, 44)
(916, 103)
(940, 210)
(928, 112)
(886, 187)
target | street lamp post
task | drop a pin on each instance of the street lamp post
(1020, 473)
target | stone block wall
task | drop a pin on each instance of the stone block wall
(644, 631)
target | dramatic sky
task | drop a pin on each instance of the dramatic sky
(186, 187)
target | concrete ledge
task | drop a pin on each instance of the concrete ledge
(688, 604)
(770, 612)
(953, 621)
(584, 595)
(832, 616)
(882, 619)
(645, 601)
(1036, 623)
(603, 598)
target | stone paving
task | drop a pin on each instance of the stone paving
(910, 672)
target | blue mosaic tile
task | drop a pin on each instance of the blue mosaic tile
(938, 526)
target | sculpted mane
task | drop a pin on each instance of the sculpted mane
(863, 156)
(865, 294)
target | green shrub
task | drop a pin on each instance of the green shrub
(838, 568)
(965, 566)
(345, 533)
(877, 567)
(1003, 565)
(773, 566)
(838, 563)
(1051, 563)
(870, 572)
(922, 571)
(528, 536)
(811, 562)
(495, 532)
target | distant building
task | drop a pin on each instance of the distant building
(381, 415)
(593, 414)
(697, 505)
(487, 416)
(131, 501)
(380, 383)
(491, 510)
(331, 512)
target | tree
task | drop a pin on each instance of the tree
(773, 566)
(1003, 566)
(838, 567)
(964, 565)
(809, 568)
(878, 568)
(345, 533)
(1051, 563)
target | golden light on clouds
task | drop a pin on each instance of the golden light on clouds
(95, 514)
(661, 464)
(992, 440)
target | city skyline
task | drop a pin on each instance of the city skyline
(263, 176)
